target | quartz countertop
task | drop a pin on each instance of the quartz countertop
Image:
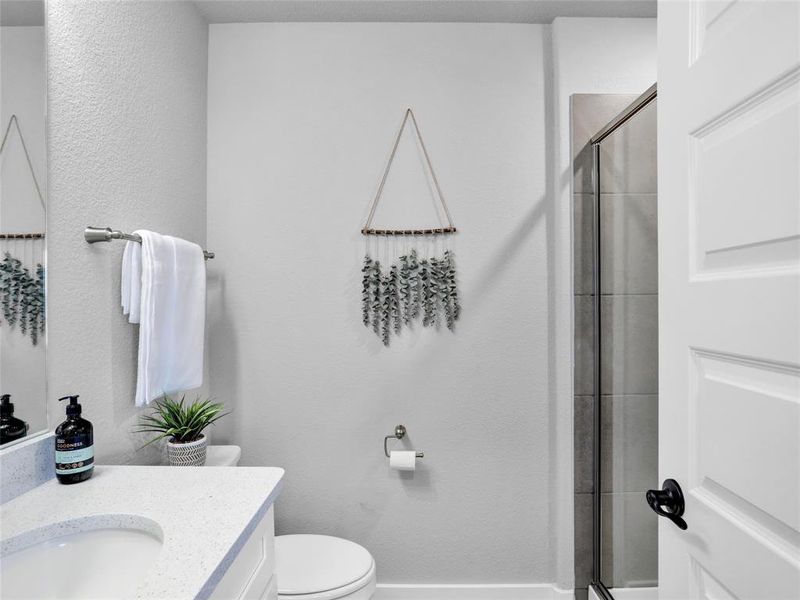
(204, 515)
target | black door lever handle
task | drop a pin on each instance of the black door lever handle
(668, 502)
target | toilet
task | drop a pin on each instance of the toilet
(322, 567)
(223, 456)
(312, 567)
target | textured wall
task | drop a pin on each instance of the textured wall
(127, 117)
(301, 119)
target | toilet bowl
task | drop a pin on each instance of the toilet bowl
(322, 567)
(312, 567)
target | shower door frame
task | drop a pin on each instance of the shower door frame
(633, 109)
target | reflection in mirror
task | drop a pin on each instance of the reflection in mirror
(22, 220)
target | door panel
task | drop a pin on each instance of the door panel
(755, 190)
(743, 416)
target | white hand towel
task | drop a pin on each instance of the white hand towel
(172, 316)
(131, 287)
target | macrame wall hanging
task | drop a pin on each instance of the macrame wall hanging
(417, 280)
(22, 296)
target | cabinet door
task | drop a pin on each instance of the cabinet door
(251, 575)
(271, 593)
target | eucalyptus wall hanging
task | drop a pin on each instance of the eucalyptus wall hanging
(22, 297)
(22, 291)
(419, 285)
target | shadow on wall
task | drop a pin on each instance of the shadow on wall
(495, 267)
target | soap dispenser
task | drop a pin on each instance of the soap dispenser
(11, 428)
(74, 445)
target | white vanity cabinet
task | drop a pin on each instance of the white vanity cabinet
(121, 498)
(251, 576)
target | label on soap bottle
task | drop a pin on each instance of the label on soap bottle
(74, 454)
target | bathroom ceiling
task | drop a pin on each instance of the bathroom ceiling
(458, 11)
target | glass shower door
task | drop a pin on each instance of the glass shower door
(626, 407)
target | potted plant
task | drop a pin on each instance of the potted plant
(182, 425)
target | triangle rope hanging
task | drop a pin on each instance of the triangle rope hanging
(368, 230)
(14, 121)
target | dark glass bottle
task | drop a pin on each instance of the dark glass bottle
(11, 428)
(74, 445)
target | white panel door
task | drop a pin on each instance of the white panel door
(729, 292)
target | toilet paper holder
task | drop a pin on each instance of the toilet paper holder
(399, 434)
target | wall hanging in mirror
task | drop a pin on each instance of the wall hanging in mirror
(420, 281)
(22, 280)
(22, 296)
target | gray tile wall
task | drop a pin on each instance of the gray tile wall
(629, 340)
(629, 344)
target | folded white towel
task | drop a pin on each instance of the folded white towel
(168, 300)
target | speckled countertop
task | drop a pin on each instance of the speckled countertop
(203, 515)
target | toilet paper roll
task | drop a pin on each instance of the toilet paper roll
(403, 460)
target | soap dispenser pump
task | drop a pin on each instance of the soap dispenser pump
(74, 445)
(11, 428)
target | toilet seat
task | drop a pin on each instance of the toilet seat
(322, 567)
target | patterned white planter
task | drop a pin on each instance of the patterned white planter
(191, 454)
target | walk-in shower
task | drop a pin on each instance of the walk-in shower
(616, 335)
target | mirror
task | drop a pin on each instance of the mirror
(23, 379)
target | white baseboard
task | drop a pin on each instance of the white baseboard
(536, 591)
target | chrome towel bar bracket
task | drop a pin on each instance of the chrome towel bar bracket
(106, 234)
(399, 434)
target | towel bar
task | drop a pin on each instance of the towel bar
(106, 234)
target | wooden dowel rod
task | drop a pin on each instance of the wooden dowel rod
(437, 231)
(21, 236)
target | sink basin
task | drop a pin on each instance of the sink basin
(96, 562)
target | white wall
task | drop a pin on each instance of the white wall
(127, 110)
(301, 119)
(22, 93)
(590, 56)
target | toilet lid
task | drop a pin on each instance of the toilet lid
(308, 564)
(223, 456)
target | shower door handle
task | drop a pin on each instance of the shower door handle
(668, 502)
